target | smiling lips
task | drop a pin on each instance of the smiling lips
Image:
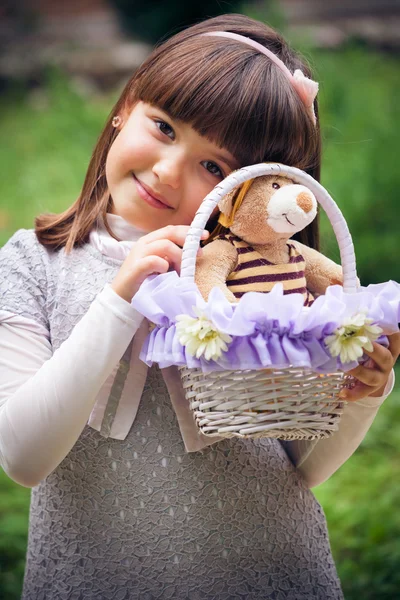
(149, 196)
(285, 215)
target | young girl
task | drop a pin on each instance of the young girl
(120, 507)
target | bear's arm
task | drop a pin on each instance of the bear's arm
(320, 270)
(218, 260)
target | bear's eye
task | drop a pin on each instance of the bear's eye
(276, 186)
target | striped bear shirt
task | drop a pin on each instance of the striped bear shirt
(258, 274)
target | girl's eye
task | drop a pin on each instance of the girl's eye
(164, 128)
(213, 168)
(276, 186)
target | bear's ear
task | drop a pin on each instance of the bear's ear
(226, 203)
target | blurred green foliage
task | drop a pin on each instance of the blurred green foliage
(47, 138)
(359, 104)
(360, 502)
(14, 511)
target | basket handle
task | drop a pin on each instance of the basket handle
(339, 225)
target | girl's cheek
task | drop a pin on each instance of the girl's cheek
(194, 203)
(116, 158)
(127, 158)
(135, 151)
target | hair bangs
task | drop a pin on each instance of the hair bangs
(233, 96)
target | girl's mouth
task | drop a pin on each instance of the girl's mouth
(148, 198)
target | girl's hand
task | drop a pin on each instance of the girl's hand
(372, 377)
(155, 252)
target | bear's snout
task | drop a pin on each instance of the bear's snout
(291, 208)
(305, 202)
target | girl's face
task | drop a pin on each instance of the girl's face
(155, 156)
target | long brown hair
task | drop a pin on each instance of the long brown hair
(228, 92)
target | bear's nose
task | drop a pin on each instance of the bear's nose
(305, 202)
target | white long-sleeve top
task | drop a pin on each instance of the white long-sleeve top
(46, 397)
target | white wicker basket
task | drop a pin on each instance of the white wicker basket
(291, 403)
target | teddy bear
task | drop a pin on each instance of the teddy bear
(251, 249)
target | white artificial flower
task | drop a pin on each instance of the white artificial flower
(200, 336)
(349, 340)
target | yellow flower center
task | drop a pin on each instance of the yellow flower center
(350, 332)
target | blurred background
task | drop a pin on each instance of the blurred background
(63, 65)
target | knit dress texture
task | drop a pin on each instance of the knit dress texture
(141, 518)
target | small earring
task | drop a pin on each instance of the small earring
(116, 122)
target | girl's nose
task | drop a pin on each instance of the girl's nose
(169, 171)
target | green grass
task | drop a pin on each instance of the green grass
(360, 502)
(361, 120)
(14, 509)
(49, 135)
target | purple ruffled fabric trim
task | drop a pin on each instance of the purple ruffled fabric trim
(268, 330)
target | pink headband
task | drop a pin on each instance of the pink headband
(306, 88)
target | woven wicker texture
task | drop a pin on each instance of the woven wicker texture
(288, 404)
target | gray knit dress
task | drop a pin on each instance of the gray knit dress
(142, 518)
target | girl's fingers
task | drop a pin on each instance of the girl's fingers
(371, 376)
(356, 392)
(381, 356)
(166, 250)
(394, 345)
(157, 252)
(375, 371)
(174, 233)
(149, 265)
